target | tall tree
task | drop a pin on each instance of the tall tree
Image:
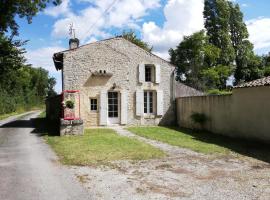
(248, 66)
(193, 55)
(216, 15)
(9, 9)
(131, 36)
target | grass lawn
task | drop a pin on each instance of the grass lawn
(98, 146)
(205, 142)
(181, 138)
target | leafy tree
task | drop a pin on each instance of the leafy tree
(248, 65)
(216, 15)
(193, 55)
(21, 86)
(216, 77)
(131, 36)
(266, 64)
(9, 9)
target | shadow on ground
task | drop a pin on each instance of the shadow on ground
(251, 148)
(41, 126)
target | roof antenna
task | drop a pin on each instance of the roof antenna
(71, 30)
(73, 41)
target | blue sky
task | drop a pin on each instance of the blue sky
(161, 23)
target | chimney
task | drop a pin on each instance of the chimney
(74, 43)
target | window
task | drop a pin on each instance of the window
(148, 102)
(93, 104)
(148, 73)
(113, 104)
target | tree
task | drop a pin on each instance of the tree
(131, 36)
(193, 55)
(216, 15)
(216, 77)
(247, 63)
(21, 86)
(9, 9)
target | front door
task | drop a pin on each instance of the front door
(113, 108)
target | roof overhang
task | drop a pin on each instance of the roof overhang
(58, 60)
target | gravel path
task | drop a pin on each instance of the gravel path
(28, 167)
(183, 174)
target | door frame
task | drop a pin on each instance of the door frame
(114, 120)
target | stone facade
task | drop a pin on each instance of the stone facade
(113, 65)
(71, 127)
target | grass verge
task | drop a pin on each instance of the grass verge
(179, 138)
(205, 142)
(20, 111)
(99, 146)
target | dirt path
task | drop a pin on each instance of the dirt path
(183, 174)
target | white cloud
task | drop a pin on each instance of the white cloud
(56, 11)
(43, 57)
(183, 17)
(124, 13)
(259, 31)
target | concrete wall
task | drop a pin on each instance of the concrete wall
(245, 113)
(182, 90)
(121, 58)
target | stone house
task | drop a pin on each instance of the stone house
(119, 83)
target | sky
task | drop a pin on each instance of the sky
(161, 23)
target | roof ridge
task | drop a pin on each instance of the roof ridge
(255, 83)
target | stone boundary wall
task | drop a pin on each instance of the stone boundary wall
(244, 114)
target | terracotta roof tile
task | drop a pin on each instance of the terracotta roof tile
(258, 82)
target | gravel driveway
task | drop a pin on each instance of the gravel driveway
(28, 167)
(183, 174)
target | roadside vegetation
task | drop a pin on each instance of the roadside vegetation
(22, 87)
(99, 146)
(205, 142)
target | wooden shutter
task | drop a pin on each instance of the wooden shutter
(157, 77)
(139, 102)
(160, 102)
(103, 110)
(124, 107)
(141, 73)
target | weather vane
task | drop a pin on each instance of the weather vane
(71, 31)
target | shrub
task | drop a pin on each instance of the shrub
(218, 92)
(199, 118)
(69, 104)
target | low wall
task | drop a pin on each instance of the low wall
(53, 108)
(244, 114)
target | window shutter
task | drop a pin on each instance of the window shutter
(103, 110)
(160, 102)
(124, 107)
(157, 69)
(139, 102)
(141, 73)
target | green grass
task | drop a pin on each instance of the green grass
(205, 142)
(99, 146)
(22, 110)
(179, 138)
(4, 116)
(42, 114)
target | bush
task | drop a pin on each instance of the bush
(218, 92)
(199, 118)
(69, 104)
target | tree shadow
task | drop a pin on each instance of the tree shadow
(42, 126)
(251, 148)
